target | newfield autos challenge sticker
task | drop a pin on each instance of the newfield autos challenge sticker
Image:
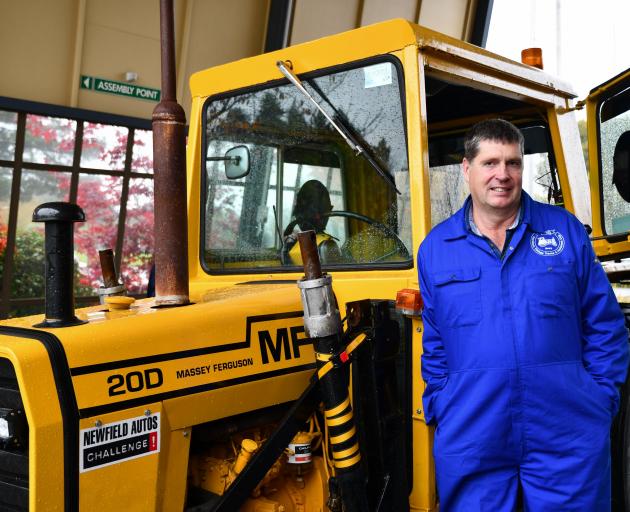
(112, 443)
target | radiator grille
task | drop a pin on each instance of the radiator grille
(13, 455)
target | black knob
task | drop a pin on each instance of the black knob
(59, 249)
(58, 212)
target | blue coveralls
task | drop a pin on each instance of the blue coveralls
(523, 357)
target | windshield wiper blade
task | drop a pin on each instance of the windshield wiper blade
(338, 125)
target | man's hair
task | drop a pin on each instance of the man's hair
(497, 130)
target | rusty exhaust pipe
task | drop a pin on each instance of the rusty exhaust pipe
(169, 160)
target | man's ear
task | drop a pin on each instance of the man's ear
(466, 169)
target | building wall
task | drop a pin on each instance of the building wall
(36, 49)
(46, 46)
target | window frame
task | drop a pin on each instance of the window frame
(621, 89)
(17, 165)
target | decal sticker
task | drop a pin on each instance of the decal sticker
(299, 453)
(113, 443)
(378, 75)
(549, 243)
(273, 345)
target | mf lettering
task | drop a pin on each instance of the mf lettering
(286, 344)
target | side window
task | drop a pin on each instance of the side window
(614, 119)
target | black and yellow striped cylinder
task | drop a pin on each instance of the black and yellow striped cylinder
(342, 431)
(322, 323)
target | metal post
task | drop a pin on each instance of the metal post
(169, 160)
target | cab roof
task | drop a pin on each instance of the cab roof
(380, 38)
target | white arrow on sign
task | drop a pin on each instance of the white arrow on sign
(86, 82)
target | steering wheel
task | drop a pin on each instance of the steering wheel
(401, 248)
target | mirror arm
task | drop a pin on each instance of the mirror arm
(235, 159)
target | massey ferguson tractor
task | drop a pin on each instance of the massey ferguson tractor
(277, 369)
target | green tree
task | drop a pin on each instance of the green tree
(49, 141)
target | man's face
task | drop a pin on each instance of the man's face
(495, 177)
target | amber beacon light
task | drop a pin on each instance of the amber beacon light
(532, 57)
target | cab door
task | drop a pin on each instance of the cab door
(608, 118)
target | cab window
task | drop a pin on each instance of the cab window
(302, 174)
(451, 110)
(614, 121)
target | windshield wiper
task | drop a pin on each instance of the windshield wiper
(338, 125)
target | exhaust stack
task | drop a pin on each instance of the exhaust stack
(169, 158)
(59, 250)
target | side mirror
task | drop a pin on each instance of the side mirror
(237, 162)
(621, 166)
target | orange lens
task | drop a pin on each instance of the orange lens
(409, 301)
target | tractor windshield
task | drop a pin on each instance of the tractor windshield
(301, 174)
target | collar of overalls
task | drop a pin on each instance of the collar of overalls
(458, 224)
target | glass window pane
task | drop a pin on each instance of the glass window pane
(312, 172)
(288, 200)
(8, 128)
(142, 160)
(367, 100)
(104, 146)
(99, 196)
(36, 187)
(5, 195)
(336, 226)
(227, 205)
(241, 225)
(138, 237)
(614, 181)
(448, 191)
(49, 140)
(537, 177)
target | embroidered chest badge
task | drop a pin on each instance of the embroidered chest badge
(548, 243)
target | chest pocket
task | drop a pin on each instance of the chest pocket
(552, 289)
(458, 297)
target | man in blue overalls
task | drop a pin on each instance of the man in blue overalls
(524, 345)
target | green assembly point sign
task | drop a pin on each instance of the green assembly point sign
(93, 83)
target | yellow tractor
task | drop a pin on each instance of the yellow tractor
(241, 385)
